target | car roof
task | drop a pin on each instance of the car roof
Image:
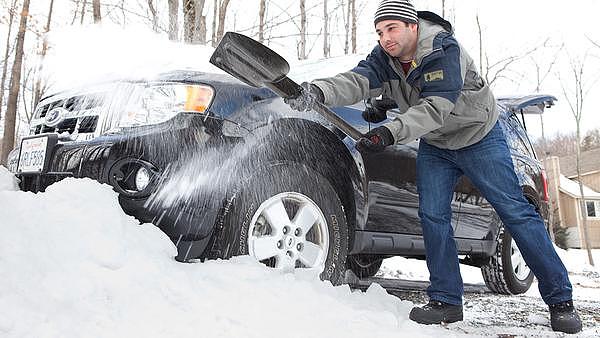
(527, 104)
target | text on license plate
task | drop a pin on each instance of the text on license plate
(33, 155)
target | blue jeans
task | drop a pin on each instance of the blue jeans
(488, 164)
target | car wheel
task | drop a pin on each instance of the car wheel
(364, 265)
(506, 271)
(287, 217)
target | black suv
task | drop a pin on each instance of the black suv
(226, 169)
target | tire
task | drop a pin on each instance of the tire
(500, 275)
(364, 266)
(287, 216)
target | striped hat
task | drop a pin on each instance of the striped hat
(402, 10)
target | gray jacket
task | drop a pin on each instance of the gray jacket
(443, 98)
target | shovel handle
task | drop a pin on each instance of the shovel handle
(286, 87)
(337, 121)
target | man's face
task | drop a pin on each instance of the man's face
(398, 38)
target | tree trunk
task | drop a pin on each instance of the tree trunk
(480, 47)
(213, 38)
(83, 11)
(326, 47)
(39, 86)
(302, 44)
(443, 8)
(353, 11)
(153, 13)
(261, 20)
(173, 21)
(347, 30)
(194, 23)
(586, 235)
(222, 14)
(75, 13)
(96, 9)
(11, 17)
(15, 81)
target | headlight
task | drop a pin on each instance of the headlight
(154, 104)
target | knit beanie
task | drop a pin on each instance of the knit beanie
(402, 10)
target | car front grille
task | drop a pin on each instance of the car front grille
(81, 117)
(87, 124)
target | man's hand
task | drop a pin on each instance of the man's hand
(375, 140)
(374, 115)
(306, 99)
(377, 109)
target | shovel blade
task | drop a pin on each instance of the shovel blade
(249, 61)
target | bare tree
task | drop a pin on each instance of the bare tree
(492, 71)
(83, 11)
(326, 47)
(557, 145)
(194, 23)
(223, 4)
(11, 16)
(153, 13)
(173, 23)
(354, 28)
(575, 98)
(15, 80)
(541, 76)
(75, 12)
(262, 10)
(591, 140)
(302, 44)
(96, 11)
(39, 86)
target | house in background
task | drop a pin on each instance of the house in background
(566, 196)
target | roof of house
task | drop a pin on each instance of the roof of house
(590, 162)
(571, 188)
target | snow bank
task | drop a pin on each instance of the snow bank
(75, 265)
(8, 181)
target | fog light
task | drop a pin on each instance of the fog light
(142, 178)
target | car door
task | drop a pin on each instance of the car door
(391, 174)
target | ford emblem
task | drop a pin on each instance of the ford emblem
(55, 116)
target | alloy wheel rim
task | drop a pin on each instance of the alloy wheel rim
(519, 267)
(289, 239)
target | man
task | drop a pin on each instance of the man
(420, 65)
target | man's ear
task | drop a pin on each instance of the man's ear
(413, 27)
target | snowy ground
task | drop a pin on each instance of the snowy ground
(74, 265)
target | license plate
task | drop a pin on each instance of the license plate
(32, 156)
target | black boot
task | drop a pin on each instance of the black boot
(436, 312)
(564, 317)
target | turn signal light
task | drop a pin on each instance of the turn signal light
(198, 98)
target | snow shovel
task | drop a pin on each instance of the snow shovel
(258, 66)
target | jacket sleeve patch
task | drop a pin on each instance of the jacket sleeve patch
(437, 75)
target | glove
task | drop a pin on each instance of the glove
(376, 140)
(374, 115)
(309, 94)
(377, 109)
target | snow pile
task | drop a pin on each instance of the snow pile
(74, 264)
(8, 181)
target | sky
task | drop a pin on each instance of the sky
(99, 273)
